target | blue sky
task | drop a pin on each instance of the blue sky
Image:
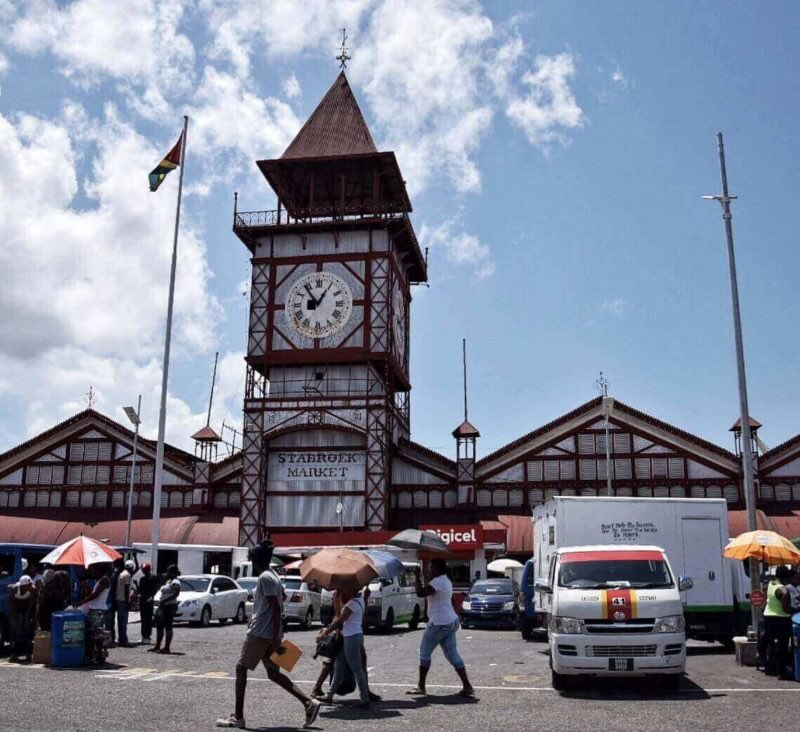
(555, 153)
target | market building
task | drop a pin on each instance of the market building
(327, 451)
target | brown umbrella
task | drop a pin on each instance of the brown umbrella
(339, 569)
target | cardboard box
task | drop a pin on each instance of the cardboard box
(42, 645)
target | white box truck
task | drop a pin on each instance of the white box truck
(692, 531)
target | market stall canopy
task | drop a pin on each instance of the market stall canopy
(766, 546)
(339, 569)
(81, 552)
(428, 541)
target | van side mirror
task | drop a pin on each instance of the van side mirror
(541, 585)
(685, 583)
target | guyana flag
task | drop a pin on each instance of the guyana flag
(171, 161)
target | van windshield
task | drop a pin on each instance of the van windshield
(601, 574)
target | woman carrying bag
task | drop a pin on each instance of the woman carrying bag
(351, 622)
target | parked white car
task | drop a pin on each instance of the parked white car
(207, 597)
(302, 604)
(249, 584)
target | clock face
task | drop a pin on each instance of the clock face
(319, 304)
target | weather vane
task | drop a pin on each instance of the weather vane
(90, 397)
(601, 385)
(343, 56)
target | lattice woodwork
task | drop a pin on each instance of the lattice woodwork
(251, 514)
(259, 310)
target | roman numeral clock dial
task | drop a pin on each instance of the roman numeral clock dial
(319, 304)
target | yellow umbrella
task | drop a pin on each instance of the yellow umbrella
(767, 546)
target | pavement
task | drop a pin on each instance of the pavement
(190, 689)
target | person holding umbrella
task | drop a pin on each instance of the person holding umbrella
(442, 626)
(351, 621)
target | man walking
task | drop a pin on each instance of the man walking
(121, 600)
(263, 638)
(147, 588)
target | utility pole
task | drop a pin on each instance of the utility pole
(607, 406)
(747, 445)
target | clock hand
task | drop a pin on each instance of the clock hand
(311, 295)
(324, 293)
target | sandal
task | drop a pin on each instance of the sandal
(416, 691)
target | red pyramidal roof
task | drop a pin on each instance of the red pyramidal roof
(206, 434)
(335, 128)
(466, 429)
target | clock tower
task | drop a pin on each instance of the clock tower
(327, 389)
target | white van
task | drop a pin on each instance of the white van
(394, 601)
(615, 611)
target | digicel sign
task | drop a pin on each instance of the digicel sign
(459, 537)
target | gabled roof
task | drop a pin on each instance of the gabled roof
(784, 447)
(90, 416)
(427, 452)
(335, 128)
(592, 409)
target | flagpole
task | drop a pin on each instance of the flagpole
(162, 415)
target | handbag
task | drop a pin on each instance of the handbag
(329, 646)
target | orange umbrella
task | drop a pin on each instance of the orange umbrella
(339, 569)
(766, 546)
(82, 551)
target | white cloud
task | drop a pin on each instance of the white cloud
(549, 107)
(459, 246)
(619, 78)
(291, 87)
(616, 306)
(4, 64)
(427, 96)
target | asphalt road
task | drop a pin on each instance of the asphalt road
(189, 690)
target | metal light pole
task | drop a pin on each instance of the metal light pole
(133, 416)
(747, 445)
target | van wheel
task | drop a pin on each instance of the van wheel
(558, 681)
(413, 624)
(205, 617)
(388, 624)
(306, 624)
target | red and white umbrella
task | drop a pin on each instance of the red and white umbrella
(83, 552)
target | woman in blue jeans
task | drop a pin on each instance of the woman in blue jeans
(351, 621)
(442, 626)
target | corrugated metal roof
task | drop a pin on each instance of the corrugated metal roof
(519, 536)
(737, 522)
(215, 529)
(335, 128)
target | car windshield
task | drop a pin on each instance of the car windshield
(248, 584)
(292, 584)
(194, 584)
(610, 573)
(492, 588)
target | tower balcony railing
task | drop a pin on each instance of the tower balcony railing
(244, 220)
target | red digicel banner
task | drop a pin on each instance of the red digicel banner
(469, 536)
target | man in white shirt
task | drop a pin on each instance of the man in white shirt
(263, 639)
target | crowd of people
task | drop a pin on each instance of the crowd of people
(105, 594)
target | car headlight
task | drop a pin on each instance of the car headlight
(189, 603)
(509, 605)
(374, 601)
(562, 624)
(466, 605)
(669, 624)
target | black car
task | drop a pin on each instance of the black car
(490, 602)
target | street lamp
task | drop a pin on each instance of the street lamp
(747, 445)
(133, 416)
